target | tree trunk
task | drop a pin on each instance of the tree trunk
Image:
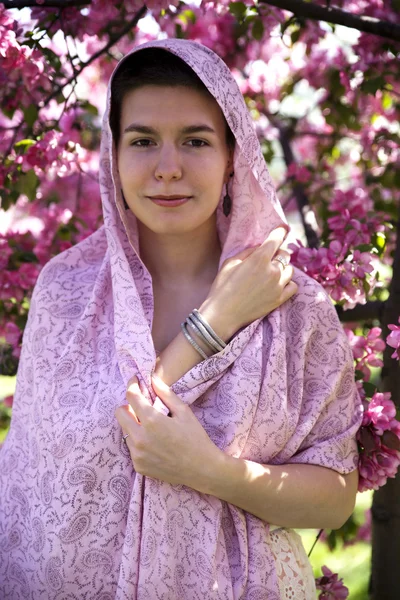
(385, 571)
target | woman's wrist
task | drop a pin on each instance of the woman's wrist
(218, 320)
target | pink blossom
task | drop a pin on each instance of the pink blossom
(380, 411)
(393, 340)
(366, 350)
(379, 442)
(12, 333)
(27, 275)
(9, 286)
(298, 172)
(208, 27)
(5, 253)
(331, 586)
(8, 401)
(341, 273)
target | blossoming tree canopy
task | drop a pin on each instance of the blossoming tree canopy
(325, 104)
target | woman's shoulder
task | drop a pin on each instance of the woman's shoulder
(66, 282)
(310, 291)
(308, 286)
(86, 256)
(311, 303)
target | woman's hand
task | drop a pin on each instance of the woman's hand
(175, 449)
(249, 286)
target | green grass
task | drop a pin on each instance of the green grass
(7, 388)
(352, 563)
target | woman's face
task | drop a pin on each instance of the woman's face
(173, 158)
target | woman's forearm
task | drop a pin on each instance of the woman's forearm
(292, 495)
(179, 356)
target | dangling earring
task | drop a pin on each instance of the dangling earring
(227, 202)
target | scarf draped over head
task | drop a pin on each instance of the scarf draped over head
(76, 521)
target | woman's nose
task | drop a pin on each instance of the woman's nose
(168, 166)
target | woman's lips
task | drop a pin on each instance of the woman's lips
(170, 202)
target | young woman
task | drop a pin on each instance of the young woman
(117, 486)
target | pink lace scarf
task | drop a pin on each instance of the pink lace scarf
(76, 521)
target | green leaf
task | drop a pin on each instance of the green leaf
(89, 108)
(9, 112)
(267, 150)
(295, 35)
(364, 247)
(372, 85)
(291, 21)
(258, 30)
(369, 389)
(238, 10)
(366, 287)
(52, 57)
(27, 184)
(24, 256)
(387, 101)
(23, 145)
(187, 16)
(359, 375)
(31, 114)
(335, 152)
(379, 241)
(332, 540)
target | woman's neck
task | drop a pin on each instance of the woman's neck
(180, 260)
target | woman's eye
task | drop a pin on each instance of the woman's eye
(197, 143)
(141, 143)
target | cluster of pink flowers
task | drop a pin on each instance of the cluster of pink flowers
(8, 401)
(345, 265)
(97, 16)
(355, 221)
(331, 586)
(23, 76)
(366, 349)
(15, 284)
(54, 154)
(299, 172)
(379, 442)
(341, 273)
(393, 340)
(208, 27)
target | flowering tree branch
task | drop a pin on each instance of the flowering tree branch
(308, 219)
(44, 3)
(309, 10)
(113, 39)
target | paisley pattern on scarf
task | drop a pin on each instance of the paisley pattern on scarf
(76, 521)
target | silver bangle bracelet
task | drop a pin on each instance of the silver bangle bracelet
(202, 332)
(192, 342)
(210, 330)
(198, 333)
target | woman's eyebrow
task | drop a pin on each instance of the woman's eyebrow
(137, 128)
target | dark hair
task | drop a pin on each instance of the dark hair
(153, 66)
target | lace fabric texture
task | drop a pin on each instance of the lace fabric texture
(294, 573)
(76, 521)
